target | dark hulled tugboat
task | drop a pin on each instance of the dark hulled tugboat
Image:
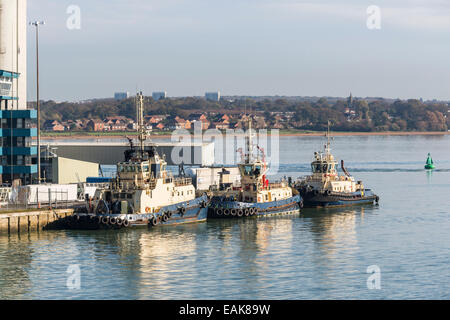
(326, 188)
(256, 196)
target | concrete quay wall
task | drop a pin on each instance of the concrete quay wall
(23, 222)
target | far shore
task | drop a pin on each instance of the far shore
(281, 133)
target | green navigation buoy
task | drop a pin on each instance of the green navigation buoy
(429, 164)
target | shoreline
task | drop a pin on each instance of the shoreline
(293, 134)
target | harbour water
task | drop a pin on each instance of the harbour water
(321, 254)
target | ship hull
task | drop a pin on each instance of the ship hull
(222, 208)
(338, 199)
(192, 211)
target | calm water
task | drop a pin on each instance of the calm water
(322, 254)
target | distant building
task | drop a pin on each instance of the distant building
(176, 123)
(53, 125)
(159, 95)
(154, 119)
(95, 125)
(121, 95)
(212, 96)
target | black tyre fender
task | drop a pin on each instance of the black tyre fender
(105, 220)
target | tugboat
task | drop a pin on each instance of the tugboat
(429, 165)
(256, 196)
(144, 193)
(326, 188)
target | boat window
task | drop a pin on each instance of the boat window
(248, 170)
(146, 168)
(324, 168)
(317, 168)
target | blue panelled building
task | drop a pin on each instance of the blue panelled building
(17, 155)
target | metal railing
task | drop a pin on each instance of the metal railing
(51, 199)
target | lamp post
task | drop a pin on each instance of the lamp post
(37, 24)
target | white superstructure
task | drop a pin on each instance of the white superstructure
(13, 46)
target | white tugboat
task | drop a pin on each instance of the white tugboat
(143, 193)
(326, 188)
(256, 196)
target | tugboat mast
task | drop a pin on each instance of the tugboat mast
(142, 132)
(327, 147)
(249, 143)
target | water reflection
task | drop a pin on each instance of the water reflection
(15, 260)
(429, 176)
(22, 262)
(333, 232)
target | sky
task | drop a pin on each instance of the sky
(241, 47)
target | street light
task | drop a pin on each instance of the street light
(37, 24)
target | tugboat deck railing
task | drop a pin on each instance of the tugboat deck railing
(182, 182)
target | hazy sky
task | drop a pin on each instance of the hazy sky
(242, 47)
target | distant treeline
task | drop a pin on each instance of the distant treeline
(380, 115)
